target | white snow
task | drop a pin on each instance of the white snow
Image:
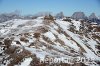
(50, 35)
(70, 42)
(63, 24)
(89, 53)
(26, 62)
(39, 53)
(77, 24)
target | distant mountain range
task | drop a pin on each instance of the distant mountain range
(81, 15)
(76, 15)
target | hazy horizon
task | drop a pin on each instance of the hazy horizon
(68, 7)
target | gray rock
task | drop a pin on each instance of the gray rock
(78, 15)
(93, 16)
(59, 15)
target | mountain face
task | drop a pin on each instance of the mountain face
(81, 15)
(9, 16)
(78, 15)
(33, 42)
(59, 15)
(98, 17)
(93, 16)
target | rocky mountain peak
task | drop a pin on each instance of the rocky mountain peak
(78, 15)
(92, 16)
(59, 15)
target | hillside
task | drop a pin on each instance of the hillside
(24, 42)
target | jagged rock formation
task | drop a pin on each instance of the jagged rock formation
(93, 18)
(59, 15)
(9, 16)
(79, 15)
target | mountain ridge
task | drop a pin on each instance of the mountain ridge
(46, 37)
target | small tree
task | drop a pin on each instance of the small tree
(36, 35)
(24, 39)
(49, 17)
(7, 42)
(67, 19)
(72, 28)
(97, 46)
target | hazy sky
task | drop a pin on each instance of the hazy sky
(35, 6)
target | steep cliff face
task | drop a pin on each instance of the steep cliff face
(59, 15)
(93, 16)
(79, 15)
(27, 42)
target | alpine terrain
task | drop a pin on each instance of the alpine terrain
(50, 41)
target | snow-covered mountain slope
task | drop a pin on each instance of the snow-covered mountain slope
(25, 42)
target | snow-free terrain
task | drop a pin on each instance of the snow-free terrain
(24, 42)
